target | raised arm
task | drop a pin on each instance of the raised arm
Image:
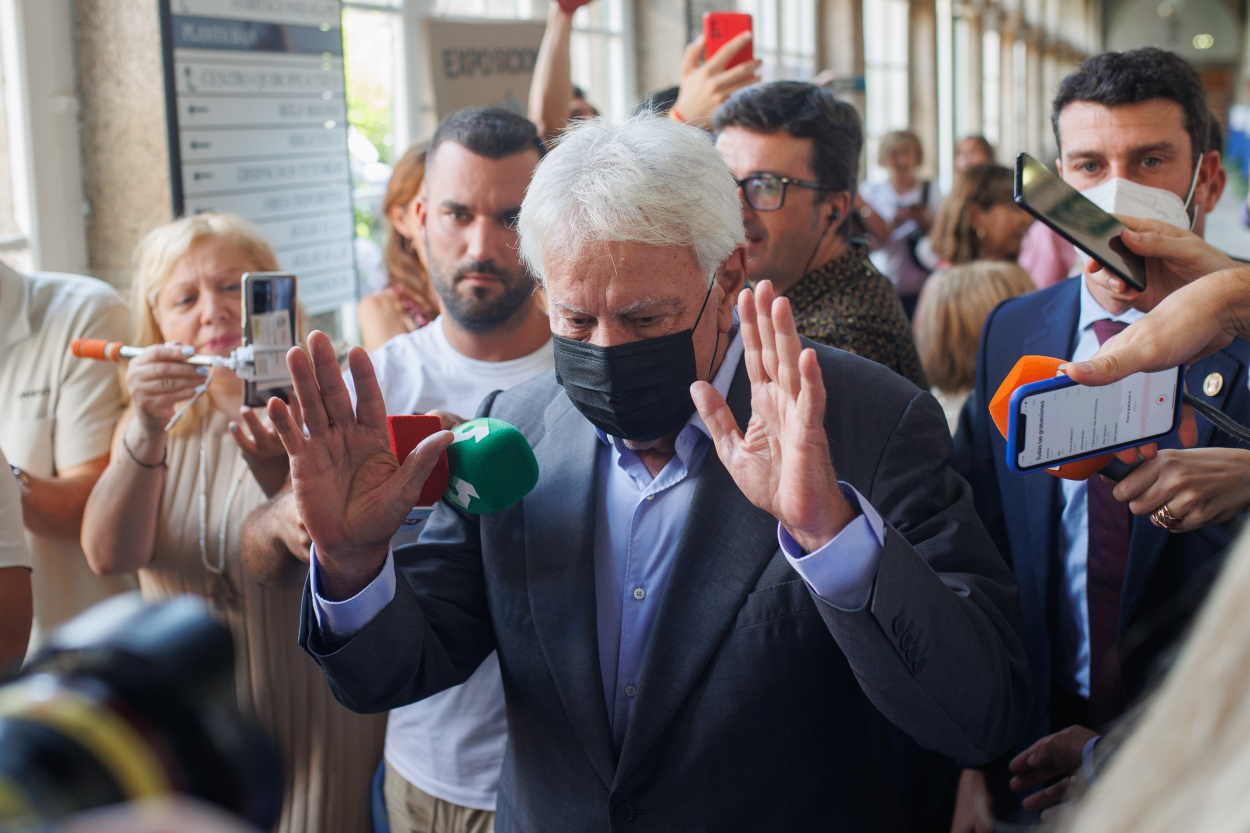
(119, 521)
(552, 86)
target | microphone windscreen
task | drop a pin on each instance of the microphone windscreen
(94, 348)
(492, 466)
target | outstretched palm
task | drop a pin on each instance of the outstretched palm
(781, 464)
(351, 492)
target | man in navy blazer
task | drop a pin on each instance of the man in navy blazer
(701, 624)
(1127, 124)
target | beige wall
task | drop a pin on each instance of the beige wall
(125, 157)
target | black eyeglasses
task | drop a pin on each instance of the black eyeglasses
(767, 192)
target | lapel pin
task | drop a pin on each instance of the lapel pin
(1213, 384)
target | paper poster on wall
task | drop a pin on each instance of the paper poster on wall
(257, 118)
(481, 63)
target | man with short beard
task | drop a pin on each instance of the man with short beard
(446, 751)
(443, 754)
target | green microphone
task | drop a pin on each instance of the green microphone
(491, 466)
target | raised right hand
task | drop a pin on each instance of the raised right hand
(351, 491)
(158, 379)
(706, 85)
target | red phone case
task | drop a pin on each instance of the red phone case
(406, 430)
(721, 27)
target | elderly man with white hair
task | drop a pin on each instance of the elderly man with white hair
(766, 615)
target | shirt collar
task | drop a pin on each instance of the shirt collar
(1092, 311)
(721, 381)
(14, 306)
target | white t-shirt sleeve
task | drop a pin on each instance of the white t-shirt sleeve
(89, 399)
(13, 549)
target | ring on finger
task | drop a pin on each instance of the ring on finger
(1164, 519)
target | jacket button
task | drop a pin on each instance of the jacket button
(629, 812)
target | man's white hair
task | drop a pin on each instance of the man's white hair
(649, 180)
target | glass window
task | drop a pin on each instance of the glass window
(885, 74)
(991, 97)
(14, 247)
(785, 36)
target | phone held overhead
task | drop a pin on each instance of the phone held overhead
(721, 27)
(1077, 219)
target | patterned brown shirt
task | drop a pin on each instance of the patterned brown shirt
(846, 303)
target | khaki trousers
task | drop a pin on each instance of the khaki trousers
(412, 810)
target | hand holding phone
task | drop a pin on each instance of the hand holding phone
(714, 67)
(1057, 421)
(1075, 218)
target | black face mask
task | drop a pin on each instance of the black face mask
(636, 391)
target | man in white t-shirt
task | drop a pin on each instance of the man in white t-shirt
(493, 334)
(56, 427)
(444, 753)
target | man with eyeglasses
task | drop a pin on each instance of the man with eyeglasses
(794, 149)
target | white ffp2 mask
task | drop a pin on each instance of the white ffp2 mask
(1132, 199)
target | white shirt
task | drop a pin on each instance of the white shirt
(59, 412)
(450, 745)
(13, 549)
(893, 259)
(1073, 654)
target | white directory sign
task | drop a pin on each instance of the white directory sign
(257, 118)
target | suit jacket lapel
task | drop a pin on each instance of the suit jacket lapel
(725, 547)
(1148, 542)
(560, 564)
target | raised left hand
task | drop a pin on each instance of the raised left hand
(782, 463)
(1053, 760)
(262, 448)
(1199, 486)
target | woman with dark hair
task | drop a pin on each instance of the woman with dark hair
(407, 303)
(979, 221)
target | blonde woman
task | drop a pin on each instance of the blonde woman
(952, 310)
(171, 502)
(1187, 764)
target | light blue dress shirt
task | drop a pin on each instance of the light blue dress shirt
(638, 527)
(1074, 527)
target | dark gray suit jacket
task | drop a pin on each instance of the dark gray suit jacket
(760, 707)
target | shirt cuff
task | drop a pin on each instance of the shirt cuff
(1087, 757)
(842, 571)
(344, 619)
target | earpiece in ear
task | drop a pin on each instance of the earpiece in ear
(833, 215)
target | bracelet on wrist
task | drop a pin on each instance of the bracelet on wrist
(158, 465)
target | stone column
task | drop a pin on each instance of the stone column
(124, 139)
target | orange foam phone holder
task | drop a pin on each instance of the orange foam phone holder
(1035, 369)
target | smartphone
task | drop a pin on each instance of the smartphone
(269, 316)
(1057, 204)
(406, 431)
(721, 27)
(1057, 421)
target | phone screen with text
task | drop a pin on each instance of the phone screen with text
(1073, 421)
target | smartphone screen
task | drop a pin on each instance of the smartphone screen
(1073, 421)
(269, 316)
(1083, 224)
(721, 27)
